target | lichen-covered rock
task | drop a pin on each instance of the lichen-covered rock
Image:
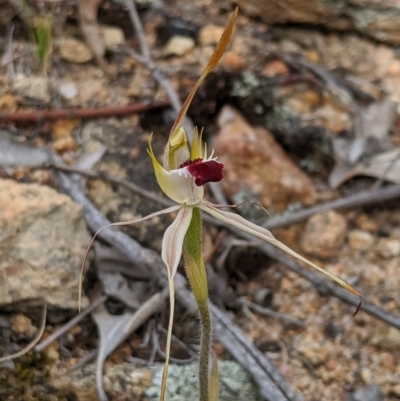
(256, 163)
(377, 19)
(182, 383)
(43, 238)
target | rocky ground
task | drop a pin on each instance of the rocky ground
(283, 111)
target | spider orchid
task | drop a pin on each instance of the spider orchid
(182, 176)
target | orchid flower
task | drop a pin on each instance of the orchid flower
(182, 176)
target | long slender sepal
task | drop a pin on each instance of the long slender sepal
(121, 223)
(216, 56)
(171, 255)
(262, 233)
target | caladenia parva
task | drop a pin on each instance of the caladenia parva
(182, 176)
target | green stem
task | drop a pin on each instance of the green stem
(205, 346)
(196, 274)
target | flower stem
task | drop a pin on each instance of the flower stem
(196, 274)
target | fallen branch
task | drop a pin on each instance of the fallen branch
(364, 198)
(99, 112)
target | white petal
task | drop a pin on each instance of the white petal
(180, 186)
(173, 240)
(177, 187)
(262, 233)
(171, 255)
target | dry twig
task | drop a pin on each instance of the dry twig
(364, 198)
(270, 313)
(100, 112)
(68, 326)
(8, 55)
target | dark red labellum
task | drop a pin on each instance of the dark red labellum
(209, 171)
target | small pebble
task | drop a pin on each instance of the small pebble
(387, 338)
(178, 46)
(67, 90)
(52, 354)
(20, 324)
(389, 248)
(113, 36)
(360, 240)
(365, 223)
(74, 51)
(275, 67)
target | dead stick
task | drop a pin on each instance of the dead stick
(69, 325)
(80, 113)
(364, 198)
